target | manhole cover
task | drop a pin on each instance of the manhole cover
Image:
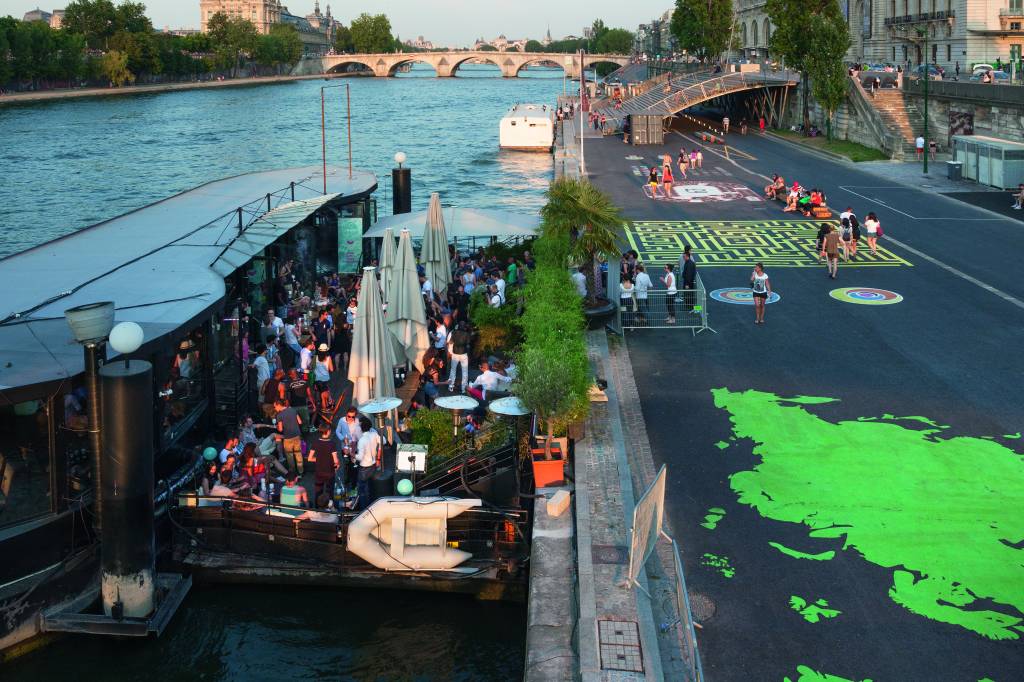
(609, 554)
(701, 606)
(620, 645)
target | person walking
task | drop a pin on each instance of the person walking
(874, 230)
(669, 280)
(761, 289)
(698, 159)
(652, 180)
(846, 237)
(823, 229)
(919, 147)
(725, 125)
(684, 163)
(832, 251)
(760, 124)
(666, 177)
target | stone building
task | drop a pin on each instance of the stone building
(887, 31)
(262, 13)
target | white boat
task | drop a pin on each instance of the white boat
(528, 128)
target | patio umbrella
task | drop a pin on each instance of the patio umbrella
(387, 261)
(372, 360)
(434, 252)
(406, 317)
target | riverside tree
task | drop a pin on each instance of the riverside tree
(703, 27)
(801, 27)
(825, 66)
(371, 34)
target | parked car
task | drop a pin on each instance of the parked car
(998, 77)
(934, 72)
(978, 68)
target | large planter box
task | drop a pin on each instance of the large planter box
(548, 472)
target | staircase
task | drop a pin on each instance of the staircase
(899, 117)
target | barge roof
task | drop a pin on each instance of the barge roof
(162, 265)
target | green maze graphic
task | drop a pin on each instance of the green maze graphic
(741, 243)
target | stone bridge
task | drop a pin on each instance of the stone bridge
(446, 63)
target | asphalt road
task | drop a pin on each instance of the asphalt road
(950, 351)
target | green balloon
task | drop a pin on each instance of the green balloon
(210, 454)
(405, 487)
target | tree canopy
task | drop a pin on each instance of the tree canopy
(343, 40)
(703, 27)
(371, 34)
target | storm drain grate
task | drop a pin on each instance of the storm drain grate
(620, 645)
(701, 606)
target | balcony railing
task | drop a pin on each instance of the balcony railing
(924, 16)
(1011, 11)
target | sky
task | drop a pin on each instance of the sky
(445, 22)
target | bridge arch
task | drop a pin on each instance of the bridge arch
(544, 59)
(346, 65)
(602, 65)
(495, 60)
(393, 70)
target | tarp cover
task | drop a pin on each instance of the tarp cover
(154, 263)
(463, 223)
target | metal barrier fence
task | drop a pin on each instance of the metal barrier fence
(686, 309)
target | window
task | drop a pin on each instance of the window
(25, 459)
(949, 53)
(1014, 25)
(935, 52)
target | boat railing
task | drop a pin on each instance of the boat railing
(252, 527)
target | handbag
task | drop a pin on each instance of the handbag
(879, 232)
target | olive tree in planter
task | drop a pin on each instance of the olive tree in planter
(586, 216)
(554, 378)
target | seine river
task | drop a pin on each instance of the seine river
(71, 164)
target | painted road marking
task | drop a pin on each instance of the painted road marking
(740, 296)
(921, 254)
(865, 296)
(741, 243)
(703, 191)
(846, 188)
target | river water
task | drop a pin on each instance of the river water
(70, 164)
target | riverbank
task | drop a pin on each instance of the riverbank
(74, 93)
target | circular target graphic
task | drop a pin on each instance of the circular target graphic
(865, 296)
(740, 296)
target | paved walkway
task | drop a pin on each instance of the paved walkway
(623, 634)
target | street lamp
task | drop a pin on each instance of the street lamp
(90, 325)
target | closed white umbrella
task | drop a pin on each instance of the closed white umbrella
(371, 365)
(387, 261)
(406, 317)
(434, 252)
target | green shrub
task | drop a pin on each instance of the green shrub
(433, 428)
(497, 329)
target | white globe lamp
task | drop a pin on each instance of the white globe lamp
(126, 337)
(400, 158)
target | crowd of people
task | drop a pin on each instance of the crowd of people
(299, 358)
(687, 162)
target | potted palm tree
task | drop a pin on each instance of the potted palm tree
(586, 216)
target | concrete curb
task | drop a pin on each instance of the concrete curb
(830, 156)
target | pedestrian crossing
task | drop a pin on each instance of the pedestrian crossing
(741, 243)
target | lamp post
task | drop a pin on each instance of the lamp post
(923, 33)
(90, 325)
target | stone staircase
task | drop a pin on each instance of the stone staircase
(899, 117)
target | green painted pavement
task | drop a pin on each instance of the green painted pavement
(712, 518)
(718, 563)
(823, 556)
(812, 611)
(945, 513)
(808, 675)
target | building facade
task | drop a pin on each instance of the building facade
(654, 39)
(890, 31)
(754, 29)
(262, 13)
